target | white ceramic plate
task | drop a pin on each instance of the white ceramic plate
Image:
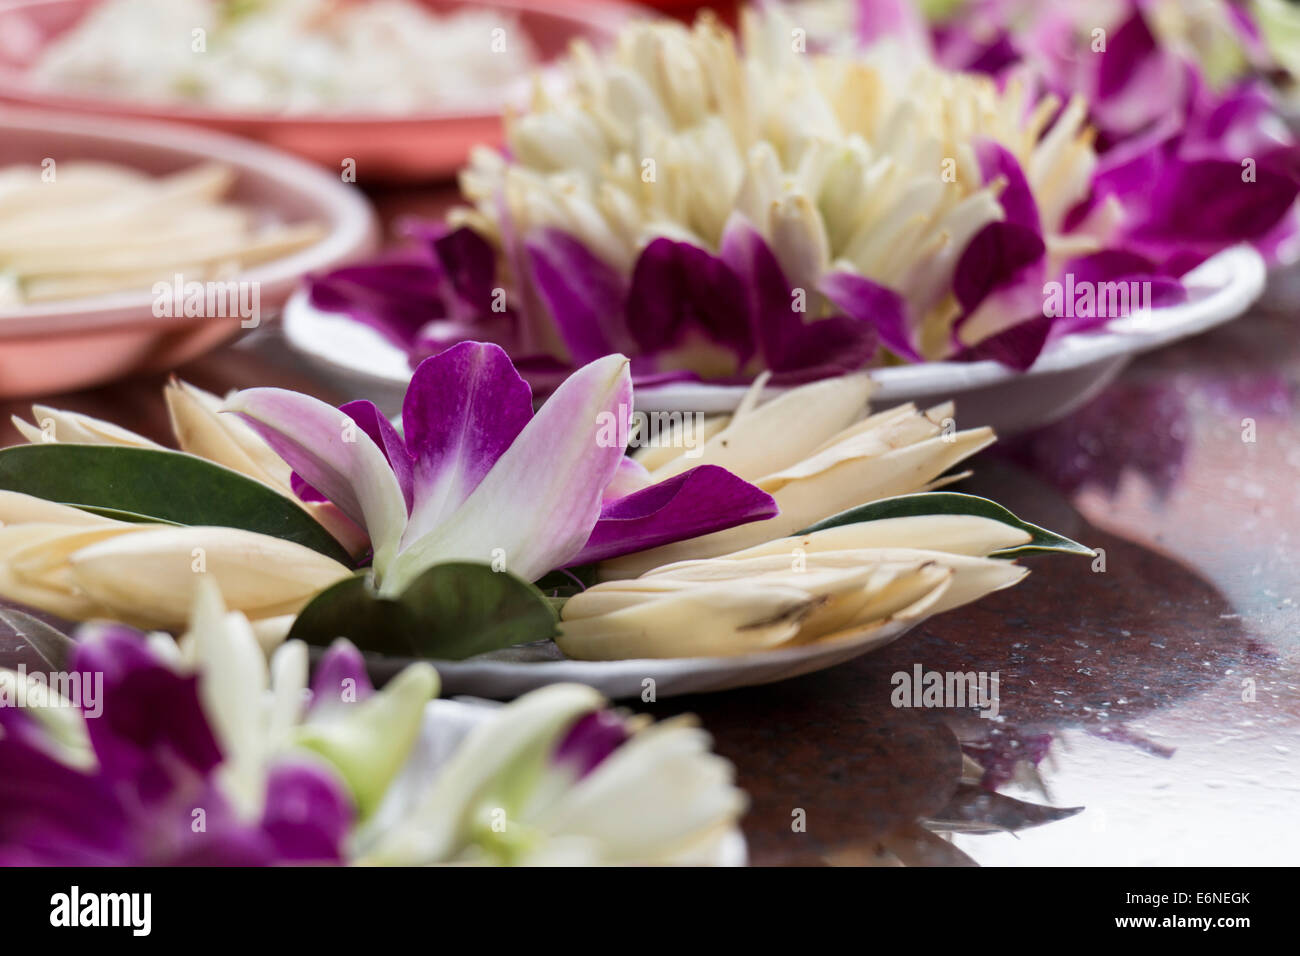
(506, 674)
(1066, 375)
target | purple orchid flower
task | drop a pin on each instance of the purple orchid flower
(478, 476)
(438, 289)
(1163, 133)
(1002, 277)
(735, 311)
(150, 796)
(1245, 177)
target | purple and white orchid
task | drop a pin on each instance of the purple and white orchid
(1177, 112)
(477, 476)
(201, 752)
(139, 784)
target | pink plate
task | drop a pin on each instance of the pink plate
(74, 343)
(386, 148)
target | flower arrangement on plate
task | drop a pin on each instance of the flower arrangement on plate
(789, 536)
(199, 751)
(1174, 89)
(1214, 48)
(714, 206)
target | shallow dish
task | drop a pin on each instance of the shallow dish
(508, 673)
(1069, 373)
(74, 343)
(429, 144)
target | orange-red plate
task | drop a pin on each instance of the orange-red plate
(74, 343)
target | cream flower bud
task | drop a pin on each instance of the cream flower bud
(788, 593)
(201, 430)
(806, 450)
(56, 425)
(150, 577)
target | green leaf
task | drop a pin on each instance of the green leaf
(148, 484)
(129, 516)
(450, 612)
(53, 646)
(953, 503)
(564, 584)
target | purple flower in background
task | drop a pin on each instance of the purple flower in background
(689, 311)
(1193, 169)
(434, 292)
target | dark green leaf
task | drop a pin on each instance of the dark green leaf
(158, 485)
(130, 516)
(566, 583)
(53, 646)
(953, 503)
(450, 612)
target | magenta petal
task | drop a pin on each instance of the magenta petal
(441, 290)
(590, 740)
(1136, 82)
(381, 431)
(462, 410)
(678, 289)
(997, 256)
(155, 757)
(330, 452)
(1226, 210)
(469, 263)
(768, 295)
(307, 813)
(304, 491)
(396, 296)
(50, 813)
(1017, 199)
(821, 348)
(584, 294)
(537, 505)
(340, 677)
(959, 48)
(874, 305)
(793, 346)
(694, 503)
(1237, 124)
(151, 726)
(1116, 266)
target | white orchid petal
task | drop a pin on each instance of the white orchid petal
(335, 456)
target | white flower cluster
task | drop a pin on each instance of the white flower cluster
(866, 163)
